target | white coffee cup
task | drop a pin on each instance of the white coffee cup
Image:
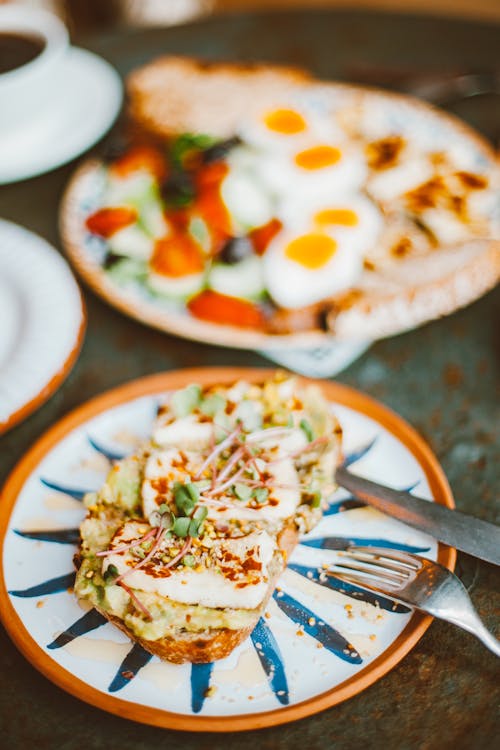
(27, 90)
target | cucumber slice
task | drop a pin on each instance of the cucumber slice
(152, 219)
(245, 200)
(128, 269)
(132, 190)
(139, 191)
(180, 287)
(244, 279)
(132, 242)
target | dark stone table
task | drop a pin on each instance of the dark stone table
(442, 378)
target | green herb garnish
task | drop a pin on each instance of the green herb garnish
(242, 492)
(261, 494)
(186, 144)
(185, 496)
(307, 429)
(200, 513)
(181, 526)
(167, 520)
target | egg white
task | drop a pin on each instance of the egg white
(284, 177)
(290, 283)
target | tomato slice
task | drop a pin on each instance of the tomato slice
(225, 310)
(149, 158)
(177, 255)
(107, 221)
(209, 204)
(262, 236)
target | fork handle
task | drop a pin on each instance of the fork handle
(474, 625)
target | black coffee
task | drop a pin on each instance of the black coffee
(17, 49)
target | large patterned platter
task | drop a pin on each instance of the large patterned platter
(320, 641)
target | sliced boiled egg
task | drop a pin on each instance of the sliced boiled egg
(301, 269)
(284, 128)
(318, 168)
(322, 256)
(352, 220)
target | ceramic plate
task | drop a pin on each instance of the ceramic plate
(90, 97)
(399, 299)
(320, 642)
(42, 322)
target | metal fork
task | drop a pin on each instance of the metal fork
(414, 581)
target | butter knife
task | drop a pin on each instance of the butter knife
(468, 534)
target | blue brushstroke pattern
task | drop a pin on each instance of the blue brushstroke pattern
(136, 659)
(351, 502)
(74, 492)
(90, 621)
(53, 586)
(200, 682)
(58, 536)
(359, 453)
(270, 657)
(314, 626)
(315, 575)
(109, 454)
(342, 543)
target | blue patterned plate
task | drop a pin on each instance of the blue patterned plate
(321, 641)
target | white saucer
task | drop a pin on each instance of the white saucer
(41, 322)
(89, 97)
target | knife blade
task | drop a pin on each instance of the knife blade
(468, 534)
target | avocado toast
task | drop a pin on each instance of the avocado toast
(182, 546)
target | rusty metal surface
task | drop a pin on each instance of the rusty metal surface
(443, 378)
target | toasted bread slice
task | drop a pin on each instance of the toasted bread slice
(211, 644)
(174, 95)
(184, 543)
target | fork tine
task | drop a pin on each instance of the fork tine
(377, 561)
(382, 574)
(366, 582)
(405, 558)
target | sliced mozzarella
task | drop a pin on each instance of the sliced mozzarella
(390, 184)
(185, 433)
(169, 466)
(285, 498)
(445, 226)
(221, 585)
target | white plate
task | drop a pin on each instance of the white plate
(41, 322)
(89, 98)
(316, 645)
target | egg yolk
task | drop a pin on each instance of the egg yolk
(285, 121)
(318, 157)
(340, 216)
(312, 251)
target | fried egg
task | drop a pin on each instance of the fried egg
(323, 256)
